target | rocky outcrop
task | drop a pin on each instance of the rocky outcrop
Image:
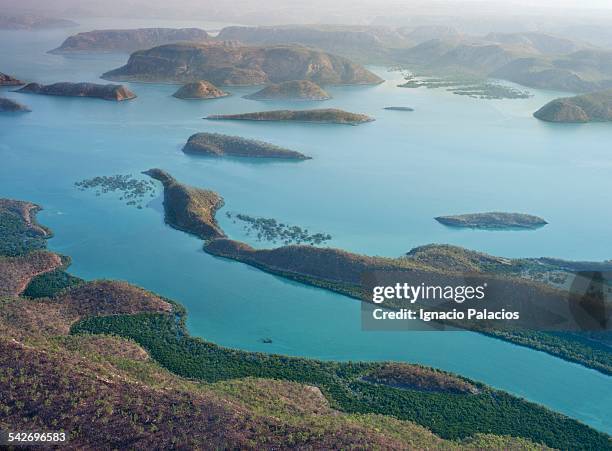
(595, 107)
(291, 90)
(493, 220)
(226, 64)
(10, 106)
(329, 115)
(7, 80)
(105, 92)
(215, 144)
(128, 40)
(199, 90)
(189, 209)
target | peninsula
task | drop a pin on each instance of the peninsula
(66, 89)
(199, 90)
(7, 80)
(230, 64)
(593, 107)
(189, 209)
(328, 116)
(215, 144)
(291, 90)
(10, 106)
(493, 221)
(127, 40)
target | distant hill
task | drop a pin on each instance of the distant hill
(230, 64)
(594, 107)
(33, 22)
(543, 43)
(128, 40)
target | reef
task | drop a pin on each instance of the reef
(133, 191)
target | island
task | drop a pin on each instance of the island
(199, 90)
(7, 80)
(232, 64)
(593, 107)
(189, 209)
(124, 349)
(493, 221)
(10, 106)
(291, 90)
(399, 108)
(127, 40)
(216, 144)
(326, 116)
(65, 89)
(33, 22)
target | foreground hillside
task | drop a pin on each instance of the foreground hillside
(112, 392)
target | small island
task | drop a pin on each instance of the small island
(7, 80)
(493, 221)
(324, 116)
(189, 209)
(216, 144)
(399, 108)
(10, 106)
(199, 90)
(106, 92)
(594, 107)
(295, 90)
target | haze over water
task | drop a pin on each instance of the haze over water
(375, 188)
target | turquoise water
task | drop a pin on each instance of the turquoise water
(375, 188)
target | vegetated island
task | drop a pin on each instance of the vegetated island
(66, 89)
(593, 107)
(189, 209)
(7, 80)
(10, 106)
(326, 116)
(493, 221)
(294, 90)
(399, 108)
(127, 40)
(199, 90)
(231, 64)
(216, 144)
(167, 385)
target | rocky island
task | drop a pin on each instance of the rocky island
(493, 221)
(66, 89)
(291, 90)
(7, 80)
(189, 209)
(215, 144)
(594, 107)
(127, 40)
(10, 106)
(230, 64)
(199, 90)
(328, 116)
